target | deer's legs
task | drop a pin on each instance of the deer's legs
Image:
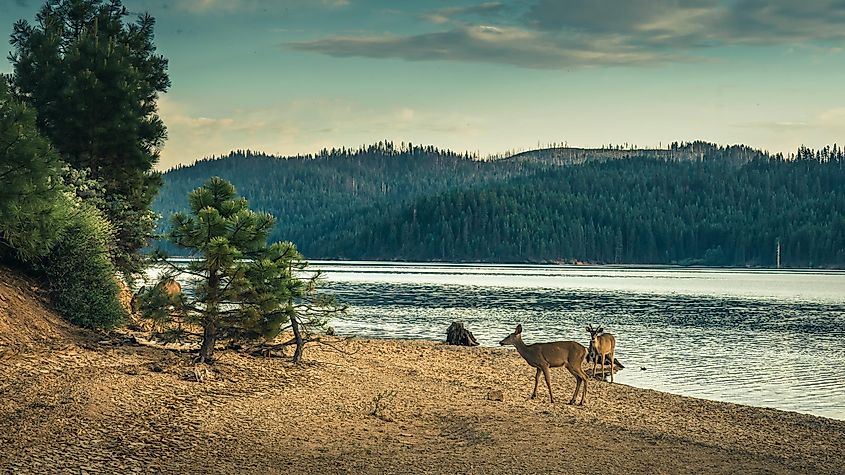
(548, 382)
(602, 367)
(536, 381)
(580, 376)
(611, 366)
(584, 394)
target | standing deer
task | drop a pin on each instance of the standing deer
(543, 356)
(602, 344)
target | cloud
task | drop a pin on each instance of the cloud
(833, 119)
(225, 6)
(508, 45)
(689, 23)
(783, 21)
(177, 119)
(829, 122)
(450, 14)
(581, 33)
(779, 127)
(302, 125)
(603, 16)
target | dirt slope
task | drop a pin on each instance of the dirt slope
(26, 320)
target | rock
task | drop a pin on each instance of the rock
(456, 334)
(495, 395)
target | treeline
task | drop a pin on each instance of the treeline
(639, 210)
(696, 203)
(675, 151)
(317, 194)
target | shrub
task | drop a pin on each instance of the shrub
(46, 226)
(80, 270)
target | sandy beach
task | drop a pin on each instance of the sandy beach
(135, 409)
(82, 403)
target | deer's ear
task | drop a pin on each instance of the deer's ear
(589, 328)
(518, 329)
(600, 330)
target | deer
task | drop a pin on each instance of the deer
(601, 344)
(569, 354)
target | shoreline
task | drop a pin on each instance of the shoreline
(589, 366)
(563, 265)
(100, 406)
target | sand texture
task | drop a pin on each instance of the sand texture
(134, 409)
(79, 402)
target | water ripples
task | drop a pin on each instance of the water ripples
(723, 345)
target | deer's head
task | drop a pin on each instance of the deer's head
(594, 333)
(513, 337)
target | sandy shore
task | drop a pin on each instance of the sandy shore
(126, 408)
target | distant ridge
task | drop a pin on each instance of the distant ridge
(693, 203)
(675, 152)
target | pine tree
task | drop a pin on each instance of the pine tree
(46, 229)
(30, 174)
(94, 82)
(245, 288)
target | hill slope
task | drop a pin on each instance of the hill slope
(633, 211)
(314, 194)
(26, 319)
(693, 204)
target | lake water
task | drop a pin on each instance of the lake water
(757, 337)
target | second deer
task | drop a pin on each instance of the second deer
(569, 354)
(601, 344)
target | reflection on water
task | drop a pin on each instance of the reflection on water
(764, 338)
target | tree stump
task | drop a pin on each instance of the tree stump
(456, 334)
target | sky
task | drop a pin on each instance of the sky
(294, 76)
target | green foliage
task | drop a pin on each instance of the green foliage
(707, 212)
(316, 194)
(133, 225)
(691, 203)
(245, 289)
(94, 81)
(80, 270)
(45, 226)
(30, 223)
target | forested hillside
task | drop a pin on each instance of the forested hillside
(689, 204)
(317, 194)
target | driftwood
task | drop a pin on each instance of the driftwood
(456, 334)
(277, 350)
